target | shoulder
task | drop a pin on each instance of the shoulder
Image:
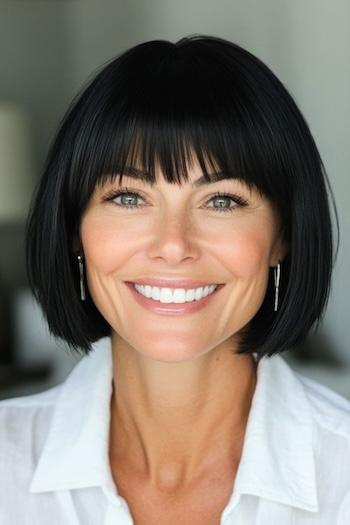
(31, 413)
(329, 410)
(24, 424)
(24, 427)
(330, 415)
(45, 398)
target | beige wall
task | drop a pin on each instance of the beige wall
(35, 63)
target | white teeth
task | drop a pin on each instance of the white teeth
(174, 295)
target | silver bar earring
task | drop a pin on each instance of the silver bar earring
(277, 275)
(81, 271)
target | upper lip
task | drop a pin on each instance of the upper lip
(187, 284)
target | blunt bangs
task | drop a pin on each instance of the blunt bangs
(164, 105)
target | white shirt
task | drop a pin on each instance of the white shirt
(294, 468)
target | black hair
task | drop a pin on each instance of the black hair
(159, 102)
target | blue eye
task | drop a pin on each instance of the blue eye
(133, 196)
(127, 199)
(239, 202)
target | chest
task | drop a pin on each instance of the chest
(202, 505)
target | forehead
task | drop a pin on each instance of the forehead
(197, 171)
(193, 176)
(196, 179)
(191, 166)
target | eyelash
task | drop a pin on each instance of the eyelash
(126, 191)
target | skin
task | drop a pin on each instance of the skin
(181, 393)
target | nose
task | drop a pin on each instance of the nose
(174, 238)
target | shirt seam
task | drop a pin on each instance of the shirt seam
(328, 426)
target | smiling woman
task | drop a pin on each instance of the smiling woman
(182, 219)
(163, 106)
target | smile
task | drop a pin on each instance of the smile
(174, 295)
(175, 301)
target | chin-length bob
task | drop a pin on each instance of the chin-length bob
(159, 102)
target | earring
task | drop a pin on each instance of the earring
(277, 275)
(81, 271)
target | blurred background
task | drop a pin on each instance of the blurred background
(49, 48)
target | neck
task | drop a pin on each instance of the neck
(171, 422)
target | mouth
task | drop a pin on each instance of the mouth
(167, 304)
(187, 284)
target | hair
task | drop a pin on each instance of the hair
(163, 102)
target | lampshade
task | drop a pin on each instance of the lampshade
(16, 163)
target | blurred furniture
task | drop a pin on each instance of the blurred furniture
(16, 187)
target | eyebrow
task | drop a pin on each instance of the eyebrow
(135, 173)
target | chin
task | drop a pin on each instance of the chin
(167, 356)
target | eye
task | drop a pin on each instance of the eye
(128, 199)
(226, 197)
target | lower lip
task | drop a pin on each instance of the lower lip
(172, 308)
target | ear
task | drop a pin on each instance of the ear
(279, 252)
(76, 245)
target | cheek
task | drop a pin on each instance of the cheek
(105, 242)
(243, 248)
(247, 252)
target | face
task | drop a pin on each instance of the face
(178, 232)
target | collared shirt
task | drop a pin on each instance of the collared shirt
(294, 468)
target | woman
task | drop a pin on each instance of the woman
(180, 239)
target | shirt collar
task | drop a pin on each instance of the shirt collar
(75, 453)
(277, 461)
